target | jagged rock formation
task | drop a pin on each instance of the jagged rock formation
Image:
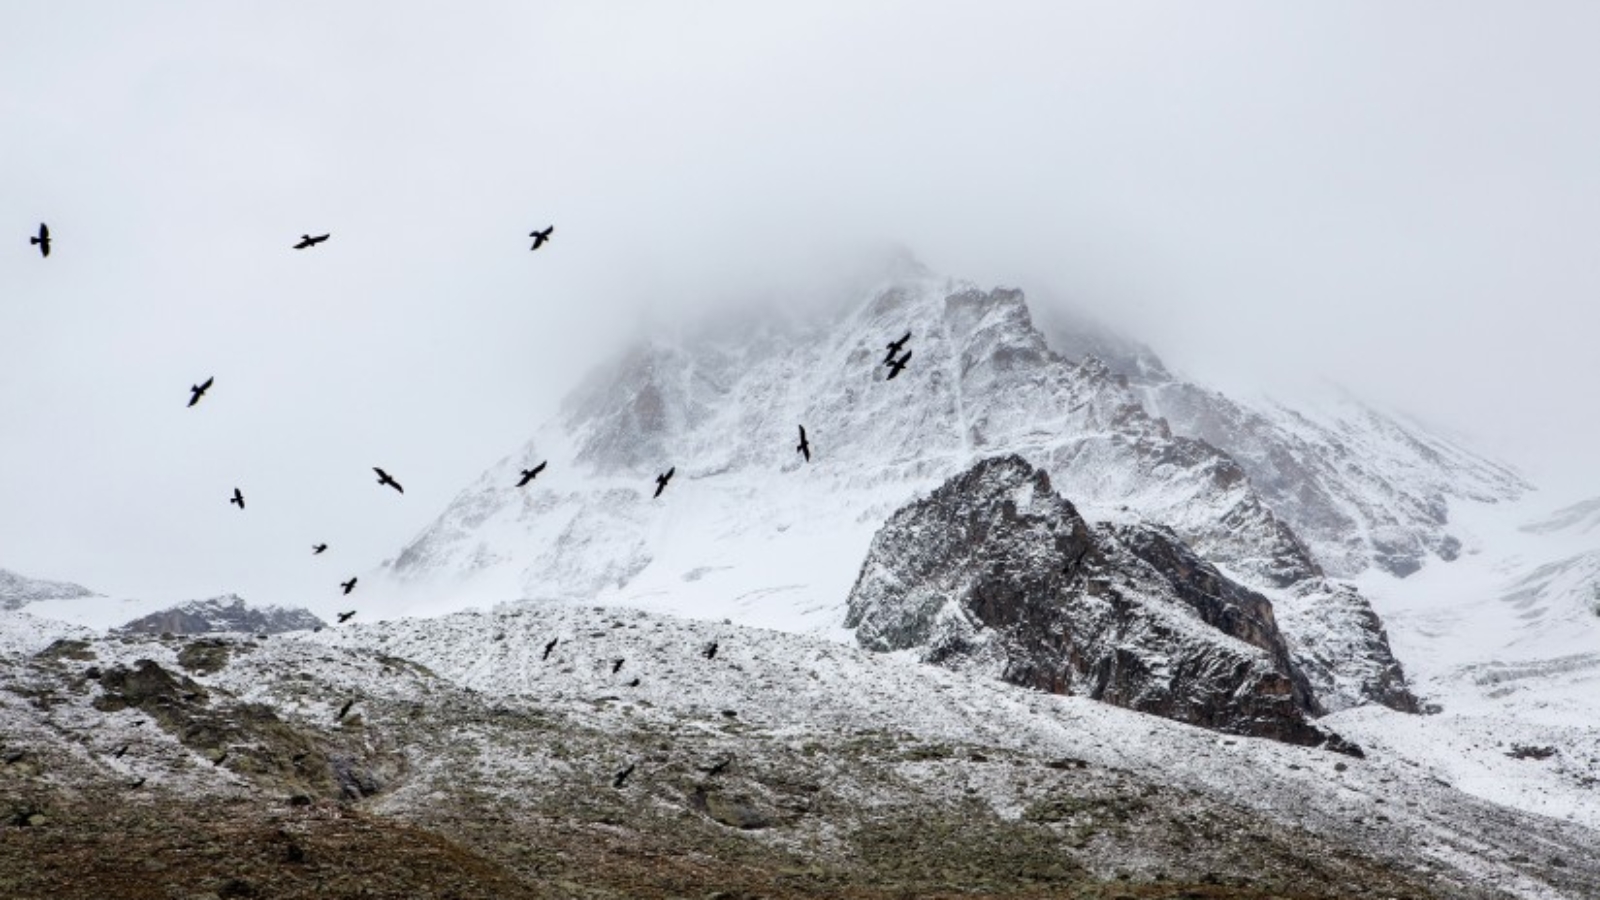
(17, 591)
(746, 520)
(996, 572)
(222, 614)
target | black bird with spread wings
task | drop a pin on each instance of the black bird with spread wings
(805, 446)
(539, 237)
(662, 479)
(348, 587)
(345, 617)
(550, 647)
(530, 474)
(345, 710)
(317, 549)
(898, 365)
(238, 499)
(384, 478)
(42, 240)
(621, 778)
(894, 348)
(307, 240)
(710, 652)
(199, 390)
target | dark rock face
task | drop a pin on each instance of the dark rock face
(223, 614)
(994, 571)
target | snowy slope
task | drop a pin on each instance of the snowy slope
(17, 591)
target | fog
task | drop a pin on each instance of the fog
(1404, 199)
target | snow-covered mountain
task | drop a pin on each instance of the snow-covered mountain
(17, 591)
(228, 613)
(748, 531)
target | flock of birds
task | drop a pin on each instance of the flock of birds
(895, 362)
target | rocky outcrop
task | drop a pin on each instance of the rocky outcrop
(994, 571)
(228, 613)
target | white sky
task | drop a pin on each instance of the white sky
(1403, 197)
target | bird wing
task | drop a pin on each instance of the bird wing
(540, 467)
(206, 385)
(382, 475)
(44, 232)
(802, 434)
(670, 471)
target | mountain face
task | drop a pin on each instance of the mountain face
(996, 573)
(749, 531)
(17, 591)
(222, 614)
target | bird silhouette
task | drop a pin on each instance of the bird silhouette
(530, 474)
(238, 499)
(346, 616)
(633, 683)
(384, 478)
(117, 754)
(307, 240)
(221, 759)
(199, 390)
(539, 237)
(616, 665)
(43, 240)
(662, 479)
(317, 549)
(805, 446)
(710, 652)
(344, 710)
(622, 777)
(137, 784)
(894, 348)
(896, 366)
(348, 587)
(549, 647)
(718, 768)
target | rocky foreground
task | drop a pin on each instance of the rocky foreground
(457, 757)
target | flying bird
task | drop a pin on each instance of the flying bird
(710, 652)
(805, 446)
(43, 240)
(719, 768)
(539, 237)
(633, 683)
(384, 478)
(137, 784)
(199, 390)
(894, 348)
(348, 587)
(616, 665)
(307, 240)
(530, 474)
(117, 754)
(238, 499)
(622, 776)
(346, 616)
(897, 365)
(662, 479)
(344, 710)
(221, 759)
(317, 549)
(549, 647)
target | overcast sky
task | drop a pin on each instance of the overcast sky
(1402, 197)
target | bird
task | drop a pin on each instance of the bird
(633, 683)
(348, 587)
(710, 652)
(539, 237)
(300, 757)
(805, 446)
(307, 240)
(894, 348)
(662, 479)
(385, 478)
(199, 390)
(897, 365)
(622, 776)
(530, 474)
(346, 616)
(238, 499)
(317, 549)
(345, 709)
(117, 754)
(718, 768)
(616, 665)
(549, 647)
(137, 784)
(221, 759)
(43, 240)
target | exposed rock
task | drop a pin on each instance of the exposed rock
(228, 613)
(994, 571)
